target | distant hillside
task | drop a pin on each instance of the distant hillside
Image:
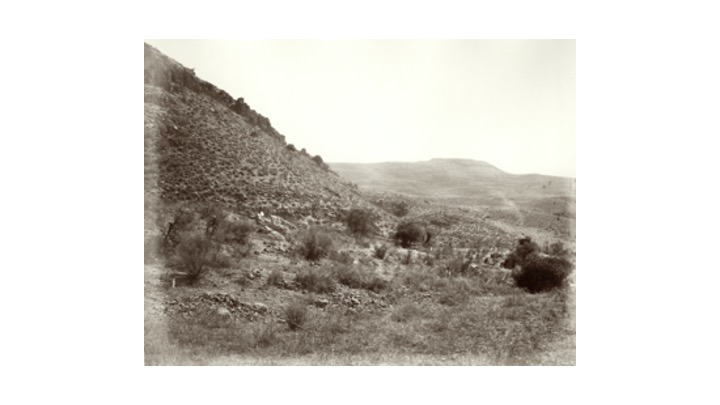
(202, 145)
(526, 201)
(451, 178)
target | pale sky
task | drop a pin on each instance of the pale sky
(510, 103)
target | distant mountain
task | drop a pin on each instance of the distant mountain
(201, 145)
(451, 178)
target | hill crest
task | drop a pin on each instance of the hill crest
(201, 145)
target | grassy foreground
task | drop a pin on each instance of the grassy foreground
(424, 319)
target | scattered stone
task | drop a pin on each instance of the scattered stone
(321, 303)
(222, 311)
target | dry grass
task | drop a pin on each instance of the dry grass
(514, 329)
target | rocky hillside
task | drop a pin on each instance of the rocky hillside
(201, 145)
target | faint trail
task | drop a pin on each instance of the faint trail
(508, 203)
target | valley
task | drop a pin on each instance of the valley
(258, 252)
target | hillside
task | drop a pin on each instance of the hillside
(255, 255)
(201, 145)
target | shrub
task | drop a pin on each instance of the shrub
(408, 233)
(556, 249)
(234, 232)
(380, 251)
(542, 273)
(291, 147)
(276, 278)
(524, 249)
(354, 277)
(315, 244)
(295, 315)
(400, 208)
(193, 255)
(320, 282)
(359, 221)
(349, 276)
(341, 257)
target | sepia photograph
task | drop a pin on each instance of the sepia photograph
(359, 202)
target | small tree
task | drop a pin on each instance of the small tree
(408, 233)
(359, 221)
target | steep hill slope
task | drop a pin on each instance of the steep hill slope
(202, 145)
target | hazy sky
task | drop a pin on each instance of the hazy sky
(507, 102)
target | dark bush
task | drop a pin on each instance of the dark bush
(542, 273)
(315, 244)
(359, 221)
(291, 147)
(408, 233)
(380, 251)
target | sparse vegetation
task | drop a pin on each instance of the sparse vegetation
(276, 278)
(345, 295)
(316, 280)
(355, 277)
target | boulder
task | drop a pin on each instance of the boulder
(260, 308)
